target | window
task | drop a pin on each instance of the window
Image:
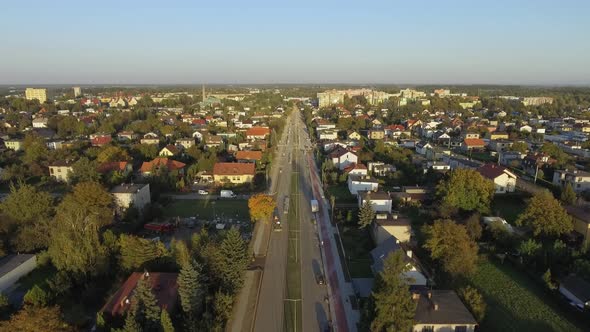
(428, 329)
(460, 328)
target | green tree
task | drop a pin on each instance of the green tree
(165, 322)
(467, 190)
(37, 297)
(394, 308)
(521, 147)
(529, 248)
(232, 260)
(33, 319)
(84, 170)
(545, 216)
(111, 153)
(474, 301)
(366, 214)
(145, 306)
(449, 243)
(190, 289)
(568, 195)
(549, 280)
(137, 252)
(222, 307)
(180, 252)
(35, 148)
(4, 304)
(473, 227)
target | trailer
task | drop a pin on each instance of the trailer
(315, 207)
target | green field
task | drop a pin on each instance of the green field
(208, 209)
(357, 245)
(293, 310)
(341, 193)
(508, 206)
(515, 303)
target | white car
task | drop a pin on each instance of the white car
(203, 192)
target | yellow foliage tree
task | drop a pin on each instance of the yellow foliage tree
(261, 206)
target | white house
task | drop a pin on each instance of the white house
(356, 169)
(380, 253)
(504, 180)
(380, 200)
(13, 267)
(341, 158)
(358, 183)
(136, 195)
(579, 180)
(40, 123)
(198, 135)
(327, 134)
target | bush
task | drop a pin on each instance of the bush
(474, 301)
(37, 297)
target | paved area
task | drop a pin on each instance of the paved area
(363, 286)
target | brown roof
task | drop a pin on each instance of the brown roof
(112, 166)
(474, 142)
(249, 155)
(234, 169)
(164, 287)
(172, 165)
(450, 309)
(258, 131)
(492, 171)
(172, 148)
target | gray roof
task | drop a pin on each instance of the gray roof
(128, 188)
(578, 287)
(382, 251)
(362, 178)
(450, 309)
(373, 195)
(10, 262)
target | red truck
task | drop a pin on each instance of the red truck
(161, 228)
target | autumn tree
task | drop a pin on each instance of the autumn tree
(568, 195)
(473, 226)
(261, 206)
(393, 306)
(366, 214)
(545, 216)
(450, 244)
(467, 190)
(474, 302)
(33, 319)
(136, 252)
(521, 147)
(112, 153)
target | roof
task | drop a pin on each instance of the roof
(234, 169)
(492, 171)
(11, 262)
(450, 309)
(382, 251)
(172, 148)
(100, 140)
(128, 188)
(474, 142)
(354, 166)
(112, 166)
(373, 195)
(172, 165)
(392, 219)
(249, 155)
(164, 287)
(578, 287)
(258, 131)
(60, 163)
(362, 178)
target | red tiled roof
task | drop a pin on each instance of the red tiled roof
(474, 142)
(172, 165)
(249, 155)
(234, 169)
(354, 166)
(258, 131)
(396, 127)
(112, 166)
(101, 140)
(164, 287)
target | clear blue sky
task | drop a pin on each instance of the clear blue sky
(288, 41)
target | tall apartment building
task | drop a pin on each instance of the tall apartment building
(536, 101)
(39, 94)
(335, 97)
(77, 91)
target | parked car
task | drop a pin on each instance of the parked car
(320, 280)
(203, 192)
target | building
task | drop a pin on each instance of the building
(358, 183)
(77, 91)
(581, 218)
(388, 225)
(39, 123)
(14, 144)
(341, 158)
(234, 173)
(124, 167)
(248, 156)
(504, 180)
(470, 144)
(186, 142)
(536, 101)
(579, 180)
(356, 169)
(135, 195)
(169, 151)
(381, 202)
(255, 133)
(441, 311)
(413, 275)
(576, 290)
(164, 287)
(13, 267)
(149, 167)
(61, 171)
(327, 135)
(39, 94)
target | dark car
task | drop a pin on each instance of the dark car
(320, 280)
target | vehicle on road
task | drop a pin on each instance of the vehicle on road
(276, 224)
(320, 280)
(315, 207)
(203, 192)
(227, 194)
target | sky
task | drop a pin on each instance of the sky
(286, 41)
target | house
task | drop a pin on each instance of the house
(441, 311)
(581, 217)
(248, 156)
(148, 167)
(341, 158)
(412, 194)
(327, 135)
(499, 135)
(198, 135)
(379, 168)
(356, 169)
(358, 183)
(576, 290)
(504, 180)
(324, 124)
(422, 147)
(150, 138)
(257, 133)
(101, 140)
(40, 123)
(14, 144)
(13, 267)
(235, 173)
(132, 195)
(164, 286)
(376, 133)
(126, 136)
(413, 275)
(579, 180)
(213, 141)
(500, 145)
(472, 144)
(381, 202)
(124, 167)
(388, 225)
(169, 151)
(470, 135)
(437, 166)
(61, 170)
(353, 135)
(185, 143)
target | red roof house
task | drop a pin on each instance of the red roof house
(172, 165)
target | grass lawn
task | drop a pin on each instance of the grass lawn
(208, 209)
(341, 193)
(515, 303)
(357, 244)
(508, 207)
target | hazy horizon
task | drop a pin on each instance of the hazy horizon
(539, 43)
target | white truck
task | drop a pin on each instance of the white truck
(315, 207)
(227, 194)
